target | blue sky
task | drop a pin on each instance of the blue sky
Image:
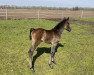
(50, 3)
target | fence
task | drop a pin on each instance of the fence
(46, 14)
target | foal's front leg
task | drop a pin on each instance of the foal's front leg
(52, 55)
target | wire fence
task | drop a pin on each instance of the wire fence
(43, 14)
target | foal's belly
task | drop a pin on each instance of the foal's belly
(50, 39)
(46, 39)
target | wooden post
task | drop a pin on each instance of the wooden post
(38, 14)
(82, 14)
(6, 14)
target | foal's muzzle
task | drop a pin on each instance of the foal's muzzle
(68, 30)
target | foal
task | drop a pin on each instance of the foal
(52, 37)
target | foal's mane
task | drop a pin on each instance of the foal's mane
(59, 24)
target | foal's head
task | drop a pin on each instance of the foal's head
(67, 25)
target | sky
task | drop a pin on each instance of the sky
(50, 3)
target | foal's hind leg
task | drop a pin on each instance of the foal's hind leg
(30, 52)
(52, 55)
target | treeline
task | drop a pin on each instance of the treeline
(45, 8)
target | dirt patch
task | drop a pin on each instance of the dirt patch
(72, 21)
(81, 22)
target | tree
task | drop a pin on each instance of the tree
(75, 8)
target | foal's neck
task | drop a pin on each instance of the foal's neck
(59, 27)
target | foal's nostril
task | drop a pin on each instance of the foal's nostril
(69, 30)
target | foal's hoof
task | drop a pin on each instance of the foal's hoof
(51, 66)
(32, 69)
(54, 62)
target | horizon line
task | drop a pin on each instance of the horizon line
(45, 6)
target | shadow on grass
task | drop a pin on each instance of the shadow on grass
(42, 50)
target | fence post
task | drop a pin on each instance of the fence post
(6, 14)
(38, 14)
(82, 14)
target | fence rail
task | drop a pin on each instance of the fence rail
(47, 14)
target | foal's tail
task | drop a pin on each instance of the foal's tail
(31, 29)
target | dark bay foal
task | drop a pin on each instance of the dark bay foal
(52, 37)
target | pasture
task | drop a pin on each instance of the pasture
(74, 54)
(85, 19)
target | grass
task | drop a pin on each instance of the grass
(74, 56)
(85, 19)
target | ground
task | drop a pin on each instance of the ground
(74, 54)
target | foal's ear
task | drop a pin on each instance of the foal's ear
(68, 19)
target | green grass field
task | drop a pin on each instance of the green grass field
(85, 19)
(74, 56)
